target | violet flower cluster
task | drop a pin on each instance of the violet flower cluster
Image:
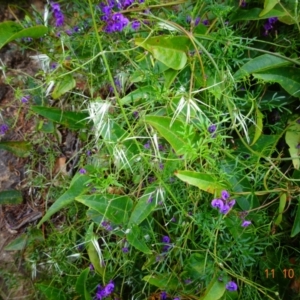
(116, 21)
(223, 203)
(58, 15)
(3, 129)
(105, 291)
(269, 24)
(231, 286)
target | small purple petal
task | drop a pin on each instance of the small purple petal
(231, 286)
(246, 223)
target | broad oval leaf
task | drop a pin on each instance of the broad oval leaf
(292, 138)
(10, 31)
(261, 63)
(163, 281)
(203, 181)
(268, 5)
(170, 133)
(215, 290)
(114, 208)
(287, 77)
(66, 84)
(169, 51)
(143, 208)
(135, 239)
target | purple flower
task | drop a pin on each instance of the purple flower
(25, 99)
(82, 171)
(197, 21)
(76, 29)
(243, 3)
(224, 210)
(109, 288)
(272, 20)
(161, 166)
(246, 223)
(147, 145)
(135, 114)
(166, 248)
(150, 199)
(55, 6)
(53, 65)
(225, 195)
(91, 267)
(212, 128)
(135, 25)
(188, 19)
(166, 239)
(69, 32)
(59, 18)
(125, 250)
(3, 128)
(176, 298)
(231, 203)
(163, 295)
(205, 22)
(217, 203)
(231, 286)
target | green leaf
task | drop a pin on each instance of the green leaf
(18, 148)
(21, 241)
(287, 77)
(114, 208)
(196, 265)
(203, 181)
(51, 293)
(135, 239)
(258, 126)
(18, 243)
(261, 63)
(254, 14)
(78, 186)
(163, 281)
(66, 84)
(282, 203)
(144, 92)
(80, 286)
(170, 76)
(292, 138)
(96, 261)
(215, 290)
(170, 133)
(70, 119)
(10, 31)
(268, 5)
(143, 208)
(11, 197)
(166, 50)
(296, 225)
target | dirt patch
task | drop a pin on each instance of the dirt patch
(15, 282)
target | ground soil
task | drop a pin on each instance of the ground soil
(15, 281)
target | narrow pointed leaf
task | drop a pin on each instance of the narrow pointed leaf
(78, 186)
(18, 148)
(70, 119)
(203, 181)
